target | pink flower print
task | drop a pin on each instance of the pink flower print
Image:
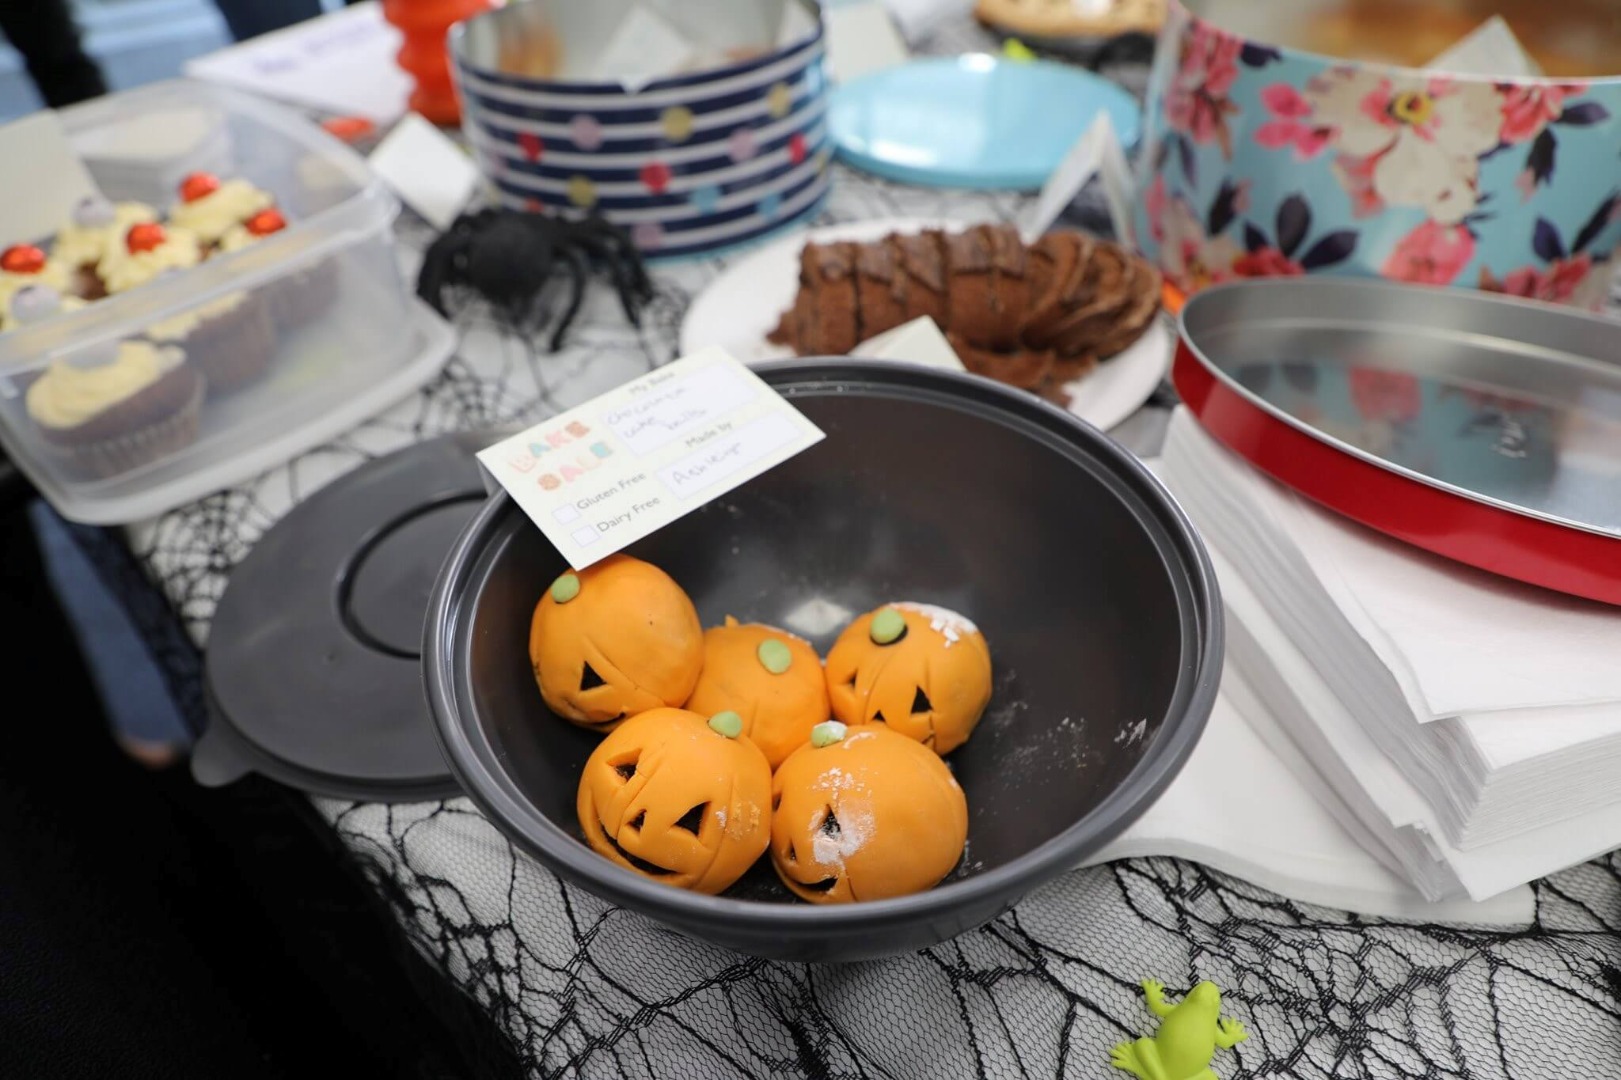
(1422, 137)
(1564, 281)
(1155, 203)
(1197, 103)
(1266, 262)
(1528, 109)
(1190, 259)
(1292, 124)
(1432, 254)
(1356, 177)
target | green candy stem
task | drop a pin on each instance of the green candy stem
(566, 588)
(774, 656)
(888, 627)
(726, 723)
(827, 733)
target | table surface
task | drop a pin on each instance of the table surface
(585, 989)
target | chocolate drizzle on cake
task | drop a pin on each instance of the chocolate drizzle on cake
(1035, 316)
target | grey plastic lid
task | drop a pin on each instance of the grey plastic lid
(313, 670)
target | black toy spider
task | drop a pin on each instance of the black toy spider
(509, 256)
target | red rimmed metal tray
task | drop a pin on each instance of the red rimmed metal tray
(1481, 428)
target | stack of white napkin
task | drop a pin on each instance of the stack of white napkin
(1471, 723)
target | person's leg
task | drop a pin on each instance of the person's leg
(250, 18)
(44, 33)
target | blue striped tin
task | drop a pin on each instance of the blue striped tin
(690, 164)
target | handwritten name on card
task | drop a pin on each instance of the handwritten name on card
(600, 477)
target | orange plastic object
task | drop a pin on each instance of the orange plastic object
(348, 128)
(867, 816)
(673, 798)
(424, 23)
(1172, 298)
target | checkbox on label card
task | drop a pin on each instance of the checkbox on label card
(587, 535)
(566, 514)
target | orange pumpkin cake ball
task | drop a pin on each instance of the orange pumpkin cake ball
(615, 639)
(922, 670)
(862, 813)
(770, 678)
(678, 798)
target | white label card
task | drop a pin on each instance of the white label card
(426, 169)
(600, 477)
(1490, 50)
(1083, 162)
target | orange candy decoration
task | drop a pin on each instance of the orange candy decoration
(613, 640)
(266, 222)
(871, 815)
(672, 798)
(22, 259)
(198, 185)
(145, 237)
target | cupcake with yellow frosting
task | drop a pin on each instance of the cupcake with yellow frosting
(33, 303)
(146, 251)
(94, 228)
(111, 408)
(295, 297)
(210, 207)
(24, 264)
(231, 338)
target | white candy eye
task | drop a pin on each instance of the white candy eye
(32, 303)
(93, 212)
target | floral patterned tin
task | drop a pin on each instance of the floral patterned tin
(1268, 161)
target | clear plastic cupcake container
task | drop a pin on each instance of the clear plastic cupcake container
(306, 332)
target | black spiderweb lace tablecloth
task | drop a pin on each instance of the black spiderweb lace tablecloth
(587, 990)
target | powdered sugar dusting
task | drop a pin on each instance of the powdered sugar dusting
(948, 624)
(832, 849)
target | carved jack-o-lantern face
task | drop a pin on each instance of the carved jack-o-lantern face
(922, 670)
(770, 678)
(678, 798)
(614, 640)
(862, 814)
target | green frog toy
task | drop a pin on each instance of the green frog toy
(1187, 1039)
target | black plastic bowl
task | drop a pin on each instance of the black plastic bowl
(1095, 595)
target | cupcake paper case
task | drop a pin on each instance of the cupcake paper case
(298, 296)
(231, 339)
(108, 414)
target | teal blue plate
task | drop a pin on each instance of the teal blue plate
(973, 121)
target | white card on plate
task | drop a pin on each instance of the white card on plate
(41, 176)
(1084, 160)
(426, 169)
(919, 342)
(602, 476)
